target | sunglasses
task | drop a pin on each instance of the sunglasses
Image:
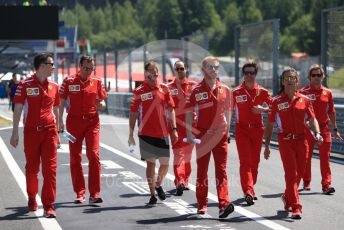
(249, 73)
(209, 66)
(87, 69)
(180, 68)
(49, 63)
(290, 78)
(316, 75)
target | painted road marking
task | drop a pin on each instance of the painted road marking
(259, 219)
(139, 189)
(47, 223)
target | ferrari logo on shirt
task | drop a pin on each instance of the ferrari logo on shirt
(324, 92)
(160, 89)
(282, 106)
(32, 91)
(221, 90)
(50, 87)
(241, 98)
(300, 100)
(311, 97)
(174, 92)
(147, 96)
(74, 88)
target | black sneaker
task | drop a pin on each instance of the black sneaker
(224, 212)
(180, 190)
(249, 199)
(161, 193)
(152, 200)
(95, 200)
(328, 190)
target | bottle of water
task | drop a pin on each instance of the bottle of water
(132, 148)
(195, 140)
(69, 136)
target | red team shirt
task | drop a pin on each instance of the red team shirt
(152, 103)
(82, 95)
(210, 106)
(243, 101)
(180, 93)
(290, 115)
(322, 102)
(38, 100)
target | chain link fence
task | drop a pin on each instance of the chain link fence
(258, 42)
(332, 47)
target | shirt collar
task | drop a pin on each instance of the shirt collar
(36, 79)
(145, 82)
(217, 84)
(255, 86)
(315, 89)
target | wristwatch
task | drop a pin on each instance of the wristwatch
(174, 128)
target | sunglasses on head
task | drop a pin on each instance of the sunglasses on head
(209, 66)
(180, 68)
(249, 73)
(316, 75)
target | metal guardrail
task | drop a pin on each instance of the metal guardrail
(119, 105)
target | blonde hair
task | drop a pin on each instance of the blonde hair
(209, 58)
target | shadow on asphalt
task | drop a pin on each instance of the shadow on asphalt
(100, 209)
(19, 213)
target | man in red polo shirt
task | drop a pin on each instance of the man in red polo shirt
(210, 100)
(86, 95)
(40, 100)
(153, 107)
(180, 89)
(249, 101)
(323, 105)
(290, 110)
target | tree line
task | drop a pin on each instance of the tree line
(132, 23)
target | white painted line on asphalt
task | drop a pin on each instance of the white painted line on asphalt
(259, 219)
(7, 127)
(136, 188)
(47, 223)
(64, 148)
(6, 117)
(114, 123)
(106, 175)
(108, 164)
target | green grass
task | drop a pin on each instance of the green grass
(336, 80)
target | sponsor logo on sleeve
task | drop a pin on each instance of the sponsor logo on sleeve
(32, 91)
(174, 92)
(241, 98)
(146, 96)
(284, 105)
(74, 88)
(201, 96)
